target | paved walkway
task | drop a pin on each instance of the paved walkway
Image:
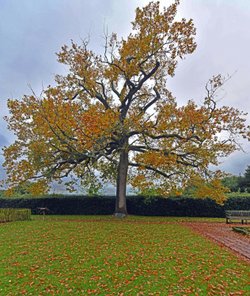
(223, 234)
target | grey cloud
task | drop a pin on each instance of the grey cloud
(236, 164)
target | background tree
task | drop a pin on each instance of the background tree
(114, 114)
(244, 181)
(231, 182)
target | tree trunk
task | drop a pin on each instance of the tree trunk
(121, 205)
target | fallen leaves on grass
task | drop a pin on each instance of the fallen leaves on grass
(107, 258)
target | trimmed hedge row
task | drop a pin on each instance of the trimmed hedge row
(238, 203)
(10, 214)
(67, 205)
(179, 207)
(82, 205)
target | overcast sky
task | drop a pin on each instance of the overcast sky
(31, 31)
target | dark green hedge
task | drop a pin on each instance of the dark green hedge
(238, 203)
(80, 205)
(180, 207)
(63, 205)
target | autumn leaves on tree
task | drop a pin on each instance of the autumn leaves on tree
(113, 118)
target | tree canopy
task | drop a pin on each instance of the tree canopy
(113, 117)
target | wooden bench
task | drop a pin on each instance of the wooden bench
(243, 216)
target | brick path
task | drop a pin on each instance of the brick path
(223, 234)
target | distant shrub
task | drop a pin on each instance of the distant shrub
(10, 214)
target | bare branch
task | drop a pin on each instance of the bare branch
(157, 97)
(115, 90)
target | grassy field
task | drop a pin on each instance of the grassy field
(88, 255)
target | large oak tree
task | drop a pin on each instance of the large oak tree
(113, 117)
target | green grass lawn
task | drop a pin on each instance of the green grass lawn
(100, 255)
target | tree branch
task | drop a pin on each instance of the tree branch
(157, 97)
(129, 97)
(152, 169)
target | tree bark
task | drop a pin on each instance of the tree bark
(121, 204)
